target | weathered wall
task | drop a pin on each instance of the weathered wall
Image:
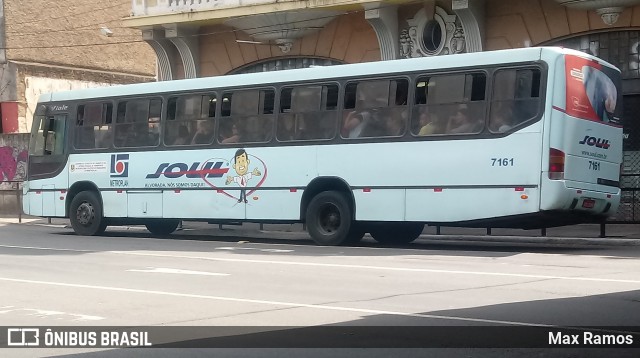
(13, 166)
(67, 32)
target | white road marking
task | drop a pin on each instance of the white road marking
(273, 303)
(366, 267)
(384, 268)
(48, 313)
(44, 248)
(252, 248)
(178, 271)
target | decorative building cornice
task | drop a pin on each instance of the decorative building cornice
(160, 46)
(384, 21)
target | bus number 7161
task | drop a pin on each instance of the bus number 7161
(502, 162)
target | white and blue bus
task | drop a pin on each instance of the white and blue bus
(523, 138)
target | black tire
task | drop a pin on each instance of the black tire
(396, 233)
(328, 218)
(162, 227)
(85, 214)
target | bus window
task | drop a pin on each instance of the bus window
(247, 116)
(515, 100)
(138, 123)
(449, 104)
(306, 114)
(93, 126)
(375, 108)
(190, 119)
(48, 135)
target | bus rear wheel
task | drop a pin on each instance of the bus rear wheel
(396, 233)
(162, 227)
(85, 214)
(328, 219)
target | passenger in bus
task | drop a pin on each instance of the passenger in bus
(204, 132)
(461, 122)
(395, 123)
(286, 128)
(501, 117)
(183, 137)
(231, 137)
(355, 123)
(121, 134)
(430, 123)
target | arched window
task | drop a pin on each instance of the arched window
(286, 63)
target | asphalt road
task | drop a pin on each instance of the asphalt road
(51, 277)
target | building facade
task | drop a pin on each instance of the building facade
(48, 46)
(198, 38)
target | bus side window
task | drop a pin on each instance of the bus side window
(515, 100)
(190, 119)
(306, 114)
(449, 104)
(380, 109)
(93, 125)
(138, 123)
(247, 116)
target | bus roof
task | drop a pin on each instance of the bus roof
(307, 74)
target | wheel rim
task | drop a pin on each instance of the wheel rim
(329, 220)
(85, 213)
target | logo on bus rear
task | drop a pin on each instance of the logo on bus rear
(595, 142)
(119, 165)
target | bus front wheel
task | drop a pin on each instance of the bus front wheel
(328, 219)
(163, 227)
(396, 233)
(85, 214)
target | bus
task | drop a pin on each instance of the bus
(523, 138)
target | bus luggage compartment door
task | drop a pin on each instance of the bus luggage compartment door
(145, 204)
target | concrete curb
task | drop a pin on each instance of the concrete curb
(297, 233)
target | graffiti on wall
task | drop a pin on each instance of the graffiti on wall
(13, 159)
(12, 164)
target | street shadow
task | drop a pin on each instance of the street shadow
(515, 329)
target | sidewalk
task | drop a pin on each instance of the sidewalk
(616, 234)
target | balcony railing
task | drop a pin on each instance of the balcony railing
(166, 7)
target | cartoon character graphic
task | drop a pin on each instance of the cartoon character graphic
(241, 165)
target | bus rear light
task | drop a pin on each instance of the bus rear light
(556, 164)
